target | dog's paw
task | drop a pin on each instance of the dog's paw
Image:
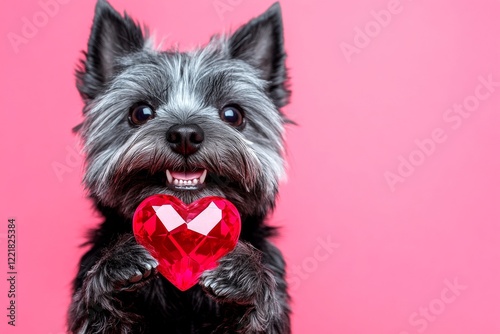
(126, 266)
(238, 278)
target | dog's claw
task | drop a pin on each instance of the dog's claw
(136, 278)
(146, 273)
(147, 269)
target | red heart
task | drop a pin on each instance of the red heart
(186, 239)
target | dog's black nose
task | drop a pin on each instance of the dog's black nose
(185, 139)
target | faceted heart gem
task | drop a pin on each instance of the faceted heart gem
(186, 239)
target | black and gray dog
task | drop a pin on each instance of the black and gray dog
(188, 124)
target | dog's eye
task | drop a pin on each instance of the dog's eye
(233, 115)
(140, 114)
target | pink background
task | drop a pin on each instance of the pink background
(393, 250)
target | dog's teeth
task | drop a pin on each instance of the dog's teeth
(203, 176)
(186, 183)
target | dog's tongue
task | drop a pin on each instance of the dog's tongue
(186, 176)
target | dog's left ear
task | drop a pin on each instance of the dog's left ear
(260, 43)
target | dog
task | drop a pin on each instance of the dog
(207, 122)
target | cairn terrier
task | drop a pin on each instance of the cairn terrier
(189, 124)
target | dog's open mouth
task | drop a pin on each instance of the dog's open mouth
(186, 180)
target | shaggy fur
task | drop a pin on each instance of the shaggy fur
(117, 289)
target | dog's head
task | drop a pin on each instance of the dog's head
(188, 124)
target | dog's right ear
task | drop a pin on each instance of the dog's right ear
(111, 37)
